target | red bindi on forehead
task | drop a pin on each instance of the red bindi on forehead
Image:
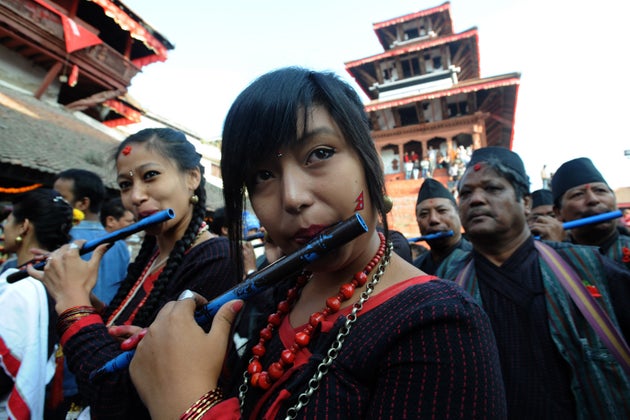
(126, 150)
(477, 166)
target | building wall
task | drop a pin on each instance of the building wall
(19, 73)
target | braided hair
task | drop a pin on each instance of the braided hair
(173, 145)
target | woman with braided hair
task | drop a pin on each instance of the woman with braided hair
(157, 168)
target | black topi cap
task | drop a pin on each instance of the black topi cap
(433, 189)
(573, 173)
(541, 198)
(503, 155)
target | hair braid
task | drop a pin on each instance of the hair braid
(133, 274)
(147, 313)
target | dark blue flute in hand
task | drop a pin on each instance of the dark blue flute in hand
(431, 236)
(89, 246)
(329, 239)
(603, 217)
(589, 220)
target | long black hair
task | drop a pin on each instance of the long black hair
(264, 118)
(173, 145)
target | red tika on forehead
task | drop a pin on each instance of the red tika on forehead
(477, 166)
(126, 150)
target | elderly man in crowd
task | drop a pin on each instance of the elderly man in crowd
(542, 219)
(579, 190)
(436, 211)
(555, 363)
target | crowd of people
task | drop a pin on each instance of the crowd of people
(507, 315)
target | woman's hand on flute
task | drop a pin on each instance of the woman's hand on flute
(127, 335)
(68, 278)
(39, 254)
(177, 361)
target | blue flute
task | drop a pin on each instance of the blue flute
(592, 219)
(258, 235)
(431, 236)
(89, 246)
(331, 238)
(598, 218)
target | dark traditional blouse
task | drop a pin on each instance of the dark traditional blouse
(205, 269)
(420, 349)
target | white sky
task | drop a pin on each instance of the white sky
(570, 53)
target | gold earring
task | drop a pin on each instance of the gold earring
(19, 239)
(388, 203)
(194, 199)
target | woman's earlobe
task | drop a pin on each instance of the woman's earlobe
(194, 179)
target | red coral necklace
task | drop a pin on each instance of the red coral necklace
(264, 379)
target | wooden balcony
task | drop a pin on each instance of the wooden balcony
(36, 33)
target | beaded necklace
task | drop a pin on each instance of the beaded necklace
(134, 289)
(332, 353)
(147, 273)
(264, 379)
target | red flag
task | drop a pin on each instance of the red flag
(77, 37)
(360, 202)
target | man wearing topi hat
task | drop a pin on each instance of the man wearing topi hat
(554, 359)
(542, 219)
(579, 190)
(436, 211)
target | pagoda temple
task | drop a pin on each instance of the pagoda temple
(428, 106)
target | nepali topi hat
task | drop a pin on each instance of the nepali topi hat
(503, 155)
(433, 189)
(541, 198)
(574, 173)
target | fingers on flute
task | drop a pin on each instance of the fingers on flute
(196, 297)
(132, 342)
(223, 320)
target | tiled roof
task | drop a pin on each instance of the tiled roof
(39, 140)
(47, 138)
